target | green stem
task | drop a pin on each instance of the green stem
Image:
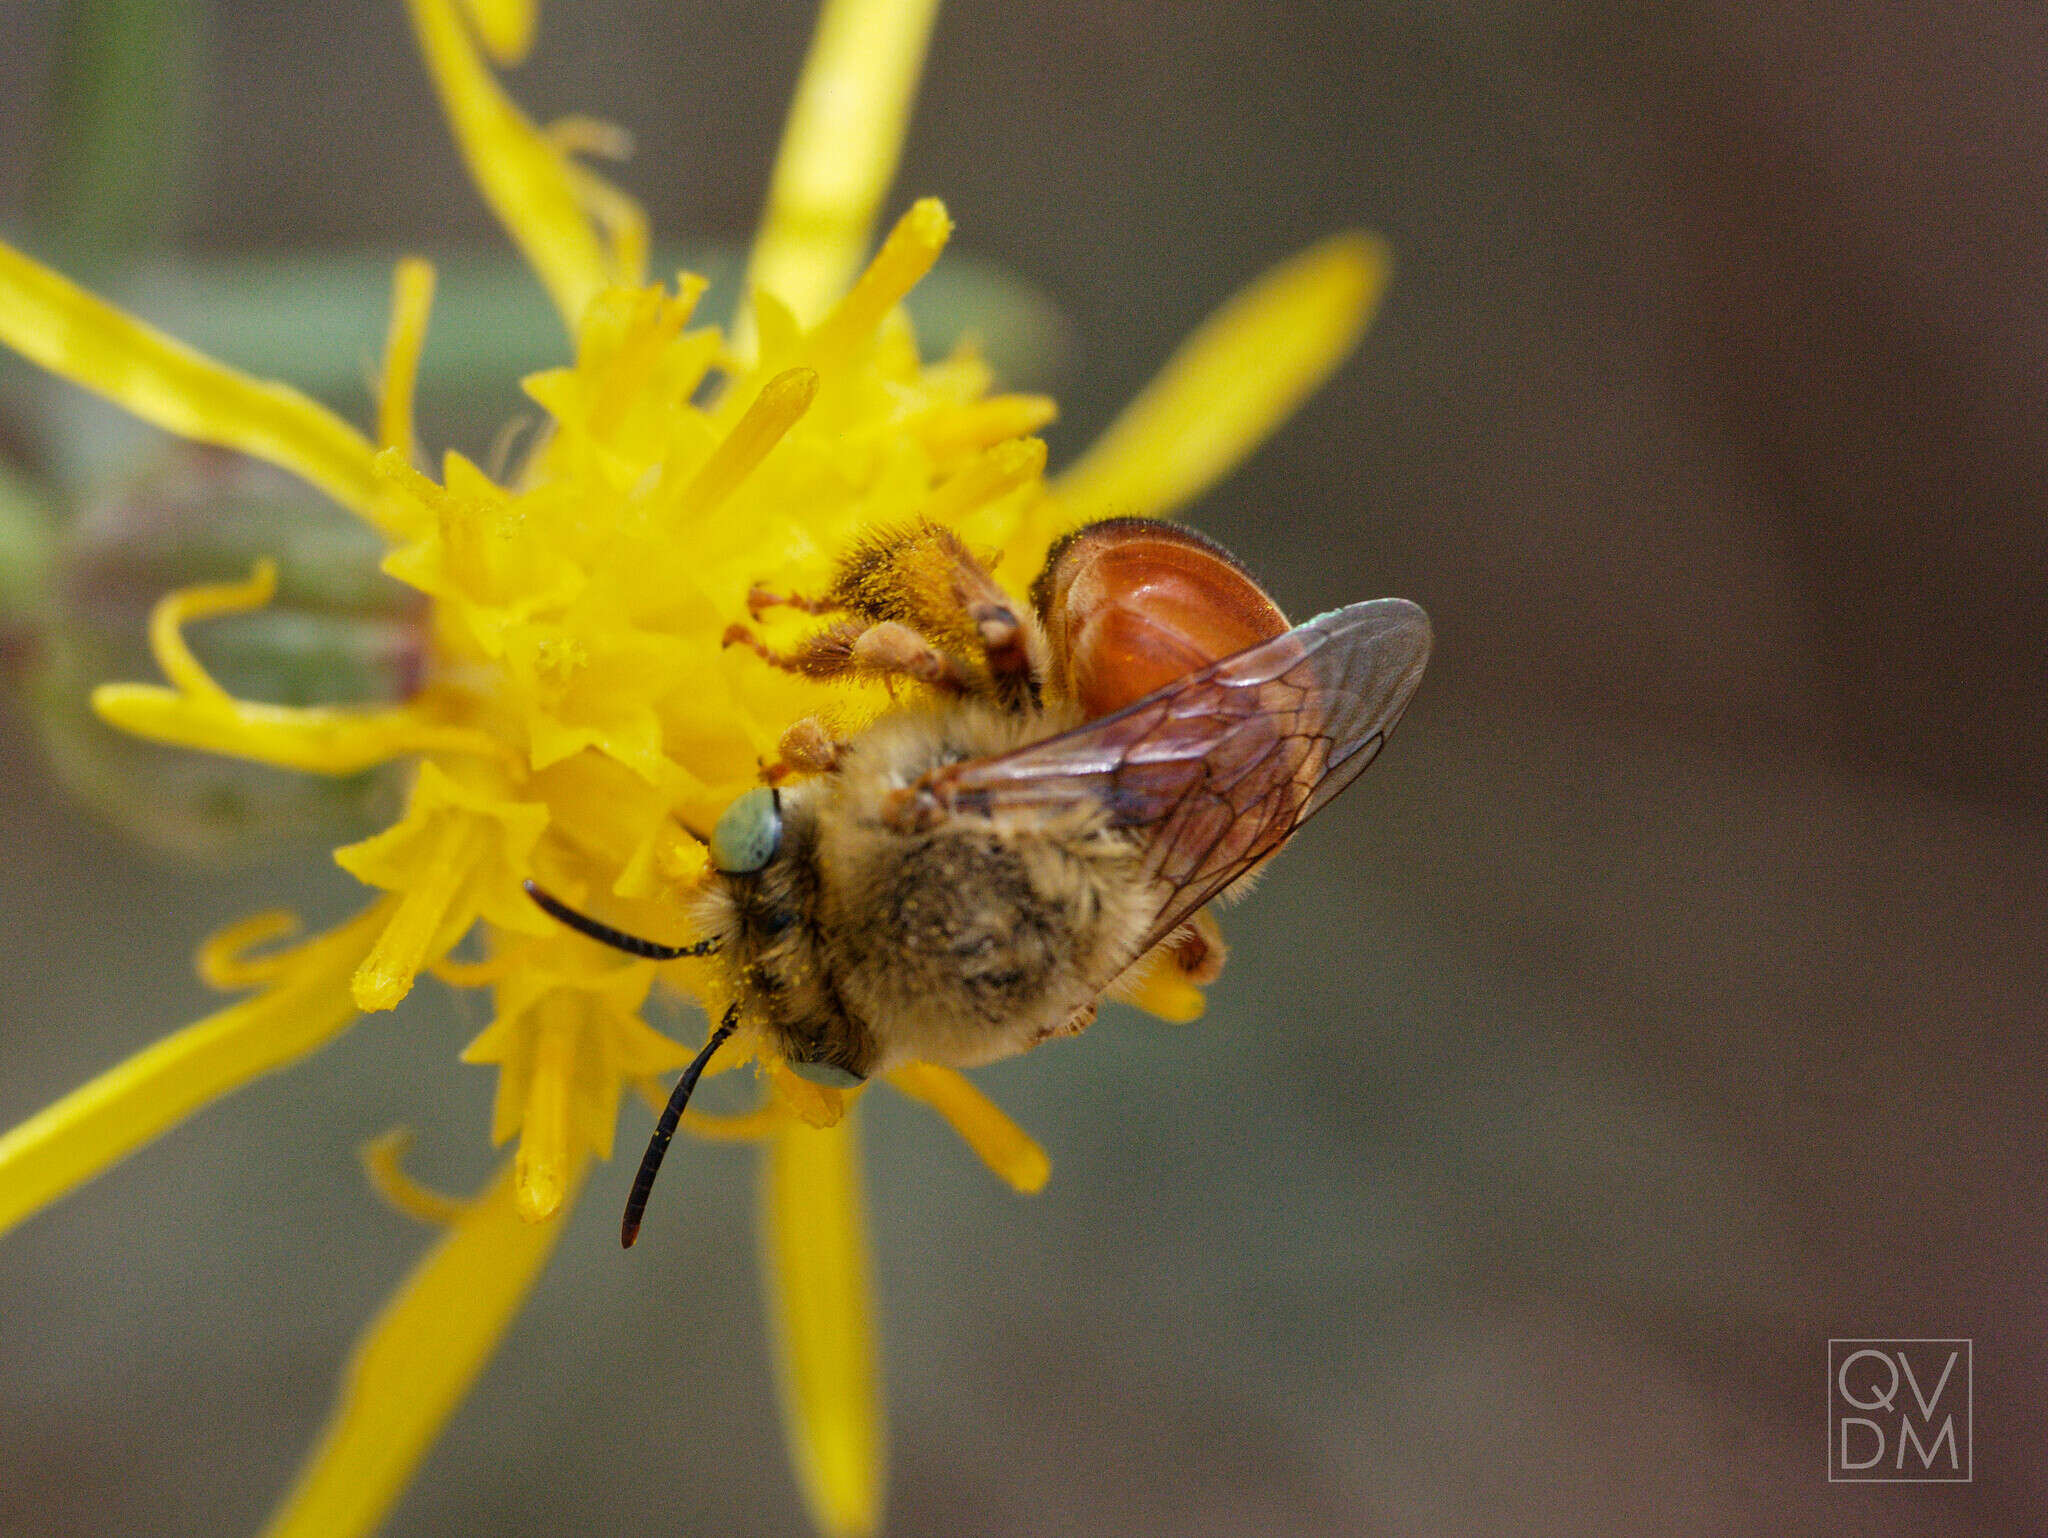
(126, 91)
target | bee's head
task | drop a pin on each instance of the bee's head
(763, 898)
(755, 917)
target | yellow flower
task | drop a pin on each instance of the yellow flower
(579, 707)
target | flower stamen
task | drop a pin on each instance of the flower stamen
(911, 249)
(540, 1170)
(779, 406)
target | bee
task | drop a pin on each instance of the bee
(1076, 780)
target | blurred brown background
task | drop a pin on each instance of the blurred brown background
(1667, 1001)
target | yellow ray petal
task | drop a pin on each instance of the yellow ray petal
(384, 1163)
(1232, 382)
(197, 713)
(1161, 989)
(412, 296)
(224, 961)
(1006, 1148)
(521, 173)
(815, 1240)
(839, 149)
(66, 1144)
(53, 322)
(413, 1365)
(505, 27)
(315, 739)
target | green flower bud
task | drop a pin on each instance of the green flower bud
(339, 632)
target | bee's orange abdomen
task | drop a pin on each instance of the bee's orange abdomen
(1132, 604)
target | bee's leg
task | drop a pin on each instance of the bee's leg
(828, 654)
(925, 578)
(847, 650)
(806, 748)
(890, 650)
(759, 598)
(1198, 949)
(1006, 648)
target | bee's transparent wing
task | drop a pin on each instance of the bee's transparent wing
(1222, 765)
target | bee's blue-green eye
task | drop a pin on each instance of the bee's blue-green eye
(831, 1075)
(747, 835)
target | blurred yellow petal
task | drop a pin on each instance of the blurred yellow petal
(412, 297)
(384, 1163)
(224, 961)
(815, 1238)
(413, 1365)
(739, 1127)
(816, 1105)
(66, 1144)
(521, 173)
(839, 149)
(1232, 382)
(1160, 988)
(1006, 1148)
(504, 27)
(620, 219)
(53, 322)
(478, 974)
(578, 133)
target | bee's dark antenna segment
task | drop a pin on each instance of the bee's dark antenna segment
(617, 939)
(665, 1129)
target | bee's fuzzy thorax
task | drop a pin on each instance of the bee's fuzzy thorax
(967, 942)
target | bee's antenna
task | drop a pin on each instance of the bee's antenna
(665, 1129)
(617, 939)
